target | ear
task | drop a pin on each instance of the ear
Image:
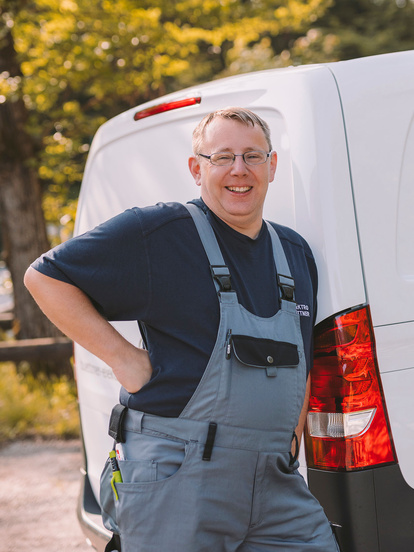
(272, 166)
(195, 169)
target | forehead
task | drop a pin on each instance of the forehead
(228, 134)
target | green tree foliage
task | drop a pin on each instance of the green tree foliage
(357, 28)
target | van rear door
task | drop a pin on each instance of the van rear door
(377, 98)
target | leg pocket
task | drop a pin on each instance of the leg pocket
(151, 513)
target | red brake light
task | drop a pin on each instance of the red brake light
(168, 106)
(348, 426)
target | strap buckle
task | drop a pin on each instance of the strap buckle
(287, 287)
(222, 275)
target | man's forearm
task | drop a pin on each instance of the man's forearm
(72, 312)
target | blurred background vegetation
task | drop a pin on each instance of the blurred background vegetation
(36, 407)
(67, 66)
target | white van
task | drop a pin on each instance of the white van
(344, 133)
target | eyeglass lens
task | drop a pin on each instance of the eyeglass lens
(249, 157)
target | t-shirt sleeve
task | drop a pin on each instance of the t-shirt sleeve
(108, 263)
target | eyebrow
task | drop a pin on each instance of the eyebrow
(249, 148)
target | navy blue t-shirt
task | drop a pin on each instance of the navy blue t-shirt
(149, 265)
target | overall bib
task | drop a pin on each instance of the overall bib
(220, 477)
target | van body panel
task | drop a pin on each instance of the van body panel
(395, 352)
(377, 98)
(98, 392)
(395, 347)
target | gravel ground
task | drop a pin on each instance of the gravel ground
(39, 487)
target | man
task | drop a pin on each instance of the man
(218, 396)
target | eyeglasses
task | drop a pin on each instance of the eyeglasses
(225, 158)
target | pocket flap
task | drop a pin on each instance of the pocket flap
(264, 353)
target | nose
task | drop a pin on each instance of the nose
(239, 166)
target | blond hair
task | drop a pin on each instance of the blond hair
(240, 114)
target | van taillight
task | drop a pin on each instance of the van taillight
(347, 425)
(167, 106)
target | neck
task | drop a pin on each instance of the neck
(252, 231)
(250, 228)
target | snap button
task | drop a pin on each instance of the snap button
(269, 359)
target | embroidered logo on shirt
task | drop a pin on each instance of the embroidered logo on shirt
(303, 310)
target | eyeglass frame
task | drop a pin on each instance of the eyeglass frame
(237, 155)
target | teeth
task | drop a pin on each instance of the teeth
(239, 189)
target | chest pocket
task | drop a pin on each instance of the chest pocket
(265, 353)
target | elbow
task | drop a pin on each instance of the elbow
(29, 278)
(35, 283)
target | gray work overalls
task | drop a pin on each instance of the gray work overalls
(220, 477)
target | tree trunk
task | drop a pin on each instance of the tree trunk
(22, 222)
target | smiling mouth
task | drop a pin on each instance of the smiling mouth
(239, 189)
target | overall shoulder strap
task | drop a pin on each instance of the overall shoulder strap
(284, 277)
(219, 270)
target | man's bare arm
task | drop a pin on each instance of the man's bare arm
(73, 313)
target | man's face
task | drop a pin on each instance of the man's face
(235, 193)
